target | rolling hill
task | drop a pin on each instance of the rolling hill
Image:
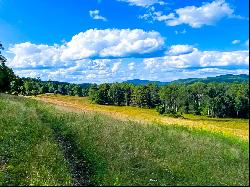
(229, 78)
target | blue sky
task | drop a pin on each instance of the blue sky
(116, 40)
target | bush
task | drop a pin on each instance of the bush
(160, 109)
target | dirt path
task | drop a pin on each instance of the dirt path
(79, 170)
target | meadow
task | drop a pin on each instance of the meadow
(47, 144)
(227, 126)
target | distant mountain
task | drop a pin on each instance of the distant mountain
(143, 82)
(229, 78)
(83, 85)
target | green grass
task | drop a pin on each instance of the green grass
(28, 153)
(114, 152)
(228, 126)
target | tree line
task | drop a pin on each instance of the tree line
(12, 84)
(15, 85)
(212, 99)
(31, 86)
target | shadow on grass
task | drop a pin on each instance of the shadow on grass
(207, 119)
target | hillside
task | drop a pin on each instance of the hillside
(229, 78)
(228, 126)
(83, 85)
(41, 144)
(144, 82)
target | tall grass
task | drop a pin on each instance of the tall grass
(29, 154)
(227, 126)
(117, 152)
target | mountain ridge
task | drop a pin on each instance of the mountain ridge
(229, 78)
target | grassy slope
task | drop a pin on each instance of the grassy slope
(227, 126)
(117, 152)
(28, 153)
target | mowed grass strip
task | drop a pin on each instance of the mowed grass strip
(227, 126)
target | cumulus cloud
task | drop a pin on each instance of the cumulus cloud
(112, 43)
(89, 44)
(156, 15)
(116, 67)
(202, 73)
(73, 62)
(235, 41)
(176, 50)
(28, 55)
(143, 3)
(198, 59)
(107, 70)
(176, 65)
(87, 70)
(196, 17)
(95, 15)
(131, 66)
(207, 14)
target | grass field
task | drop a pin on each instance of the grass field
(227, 126)
(41, 144)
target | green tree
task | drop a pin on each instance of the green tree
(16, 86)
(94, 93)
(168, 96)
(183, 99)
(116, 94)
(76, 89)
(128, 90)
(216, 100)
(140, 96)
(153, 97)
(28, 87)
(103, 97)
(242, 101)
(61, 89)
(51, 87)
(6, 74)
(197, 93)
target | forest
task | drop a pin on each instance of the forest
(212, 99)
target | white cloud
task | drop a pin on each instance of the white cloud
(181, 32)
(28, 55)
(207, 14)
(92, 43)
(112, 43)
(156, 15)
(95, 15)
(176, 50)
(116, 67)
(203, 73)
(235, 41)
(131, 66)
(160, 74)
(196, 17)
(52, 62)
(143, 3)
(198, 59)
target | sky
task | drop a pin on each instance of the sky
(99, 41)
